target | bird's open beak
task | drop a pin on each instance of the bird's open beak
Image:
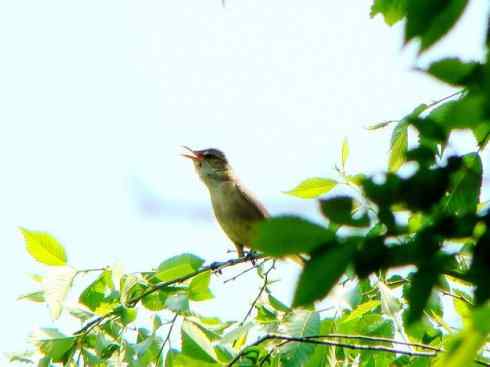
(195, 156)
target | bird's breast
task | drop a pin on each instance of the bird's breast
(234, 212)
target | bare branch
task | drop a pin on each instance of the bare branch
(174, 319)
(314, 340)
(261, 291)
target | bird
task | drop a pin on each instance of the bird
(235, 209)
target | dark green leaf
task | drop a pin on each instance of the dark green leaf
(464, 191)
(431, 20)
(452, 71)
(322, 271)
(339, 211)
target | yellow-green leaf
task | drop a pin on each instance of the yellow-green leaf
(44, 248)
(399, 143)
(312, 188)
(345, 152)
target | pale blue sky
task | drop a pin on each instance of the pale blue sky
(96, 98)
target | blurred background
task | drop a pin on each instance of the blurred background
(97, 97)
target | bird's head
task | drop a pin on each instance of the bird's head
(210, 164)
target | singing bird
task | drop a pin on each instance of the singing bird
(235, 208)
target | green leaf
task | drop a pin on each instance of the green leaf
(344, 153)
(361, 310)
(464, 192)
(126, 315)
(178, 302)
(392, 10)
(277, 305)
(100, 296)
(302, 323)
(44, 248)
(56, 285)
(452, 70)
(421, 287)
(196, 344)
(431, 20)
(287, 235)
(178, 266)
(312, 188)
(322, 271)
(156, 301)
(236, 333)
(52, 343)
(399, 144)
(339, 211)
(34, 297)
(199, 287)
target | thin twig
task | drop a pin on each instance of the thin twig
(245, 271)
(167, 338)
(261, 291)
(374, 339)
(428, 106)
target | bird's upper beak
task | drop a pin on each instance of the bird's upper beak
(195, 155)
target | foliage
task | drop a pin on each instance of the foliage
(407, 250)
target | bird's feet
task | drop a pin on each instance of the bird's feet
(252, 255)
(214, 267)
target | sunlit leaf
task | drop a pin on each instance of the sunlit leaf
(178, 266)
(196, 344)
(344, 152)
(33, 297)
(392, 10)
(199, 287)
(44, 248)
(312, 188)
(56, 285)
(399, 143)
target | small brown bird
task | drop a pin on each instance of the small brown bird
(235, 209)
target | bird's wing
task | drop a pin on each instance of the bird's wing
(261, 211)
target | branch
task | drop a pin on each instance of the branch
(245, 271)
(311, 340)
(216, 266)
(262, 289)
(172, 323)
(379, 348)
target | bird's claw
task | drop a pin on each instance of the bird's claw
(252, 256)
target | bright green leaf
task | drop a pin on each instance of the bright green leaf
(178, 266)
(44, 248)
(344, 153)
(196, 344)
(52, 343)
(289, 235)
(199, 287)
(392, 10)
(399, 144)
(312, 188)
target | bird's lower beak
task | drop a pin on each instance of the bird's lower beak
(195, 156)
